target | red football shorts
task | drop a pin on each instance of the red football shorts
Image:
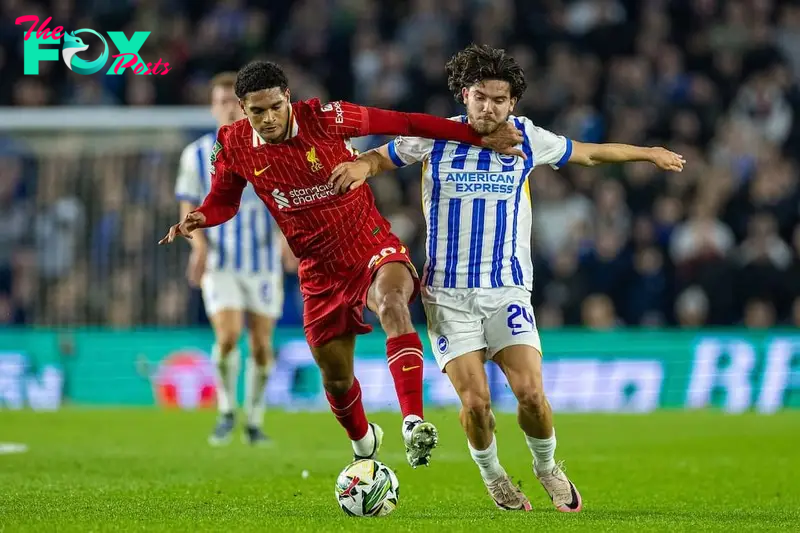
(334, 305)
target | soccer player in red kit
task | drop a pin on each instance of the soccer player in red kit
(348, 256)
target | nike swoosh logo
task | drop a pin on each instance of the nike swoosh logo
(409, 368)
(259, 172)
(515, 332)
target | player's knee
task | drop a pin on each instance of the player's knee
(477, 406)
(227, 341)
(261, 348)
(530, 397)
(393, 310)
(337, 387)
(262, 354)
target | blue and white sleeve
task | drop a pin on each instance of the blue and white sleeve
(548, 148)
(407, 150)
(189, 185)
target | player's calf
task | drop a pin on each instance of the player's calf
(259, 367)
(225, 355)
(404, 356)
(343, 391)
(522, 367)
(348, 409)
(476, 416)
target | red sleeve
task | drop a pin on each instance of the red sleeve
(346, 120)
(342, 119)
(385, 122)
(222, 202)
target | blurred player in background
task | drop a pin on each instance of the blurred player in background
(348, 256)
(478, 276)
(238, 266)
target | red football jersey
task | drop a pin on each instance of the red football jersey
(327, 231)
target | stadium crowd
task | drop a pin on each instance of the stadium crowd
(714, 80)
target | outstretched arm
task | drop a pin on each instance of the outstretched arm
(385, 122)
(346, 120)
(221, 203)
(590, 155)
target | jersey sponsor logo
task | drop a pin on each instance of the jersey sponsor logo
(335, 106)
(313, 161)
(487, 182)
(311, 194)
(259, 172)
(280, 199)
(298, 197)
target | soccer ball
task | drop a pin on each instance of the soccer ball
(367, 488)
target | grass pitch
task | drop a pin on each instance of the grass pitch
(149, 470)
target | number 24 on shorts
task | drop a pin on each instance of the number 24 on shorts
(520, 319)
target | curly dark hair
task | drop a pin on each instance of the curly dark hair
(259, 75)
(477, 63)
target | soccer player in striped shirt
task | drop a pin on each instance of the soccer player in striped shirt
(238, 267)
(478, 277)
(348, 256)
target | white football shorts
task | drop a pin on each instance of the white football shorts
(262, 295)
(467, 320)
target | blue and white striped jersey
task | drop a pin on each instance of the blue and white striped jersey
(477, 206)
(250, 242)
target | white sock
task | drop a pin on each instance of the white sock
(228, 369)
(255, 401)
(544, 451)
(364, 446)
(487, 461)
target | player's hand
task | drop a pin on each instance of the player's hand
(197, 266)
(348, 176)
(192, 221)
(504, 140)
(666, 160)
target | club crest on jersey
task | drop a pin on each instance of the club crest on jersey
(507, 159)
(313, 161)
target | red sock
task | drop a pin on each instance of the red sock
(349, 411)
(405, 364)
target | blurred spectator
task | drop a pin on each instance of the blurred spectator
(14, 215)
(759, 314)
(598, 312)
(691, 308)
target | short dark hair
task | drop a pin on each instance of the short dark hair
(223, 79)
(477, 63)
(259, 75)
